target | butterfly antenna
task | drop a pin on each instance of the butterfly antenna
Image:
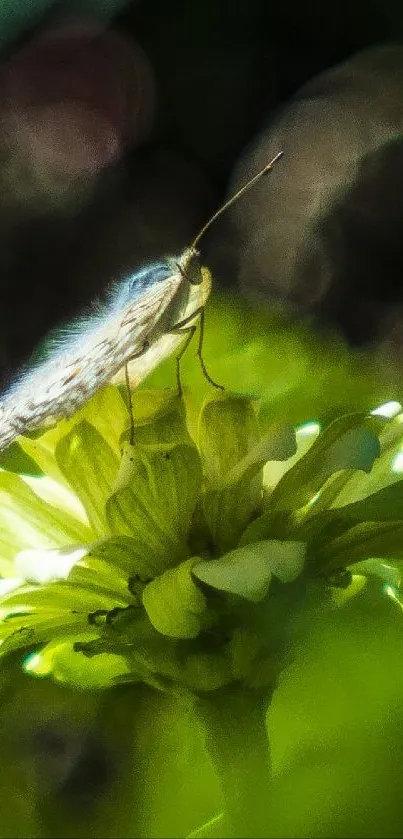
(238, 194)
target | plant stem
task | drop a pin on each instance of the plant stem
(238, 745)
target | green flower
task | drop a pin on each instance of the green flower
(178, 561)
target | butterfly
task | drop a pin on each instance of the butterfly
(144, 318)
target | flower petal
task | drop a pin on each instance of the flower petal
(348, 443)
(90, 465)
(363, 541)
(58, 494)
(26, 521)
(40, 566)
(159, 417)
(130, 557)
(228, 430)
(247, 571)
(73, 668)
(158, 504)
(174, 604)
(375, 567)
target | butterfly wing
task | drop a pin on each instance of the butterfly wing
(90, 353)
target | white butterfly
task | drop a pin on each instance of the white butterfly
(144, 319)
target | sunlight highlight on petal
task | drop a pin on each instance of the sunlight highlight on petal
(35, 665)
(388, 409)
(397, 463)
(308, 429)
(41, 566)
(53, 492)
(8, 585)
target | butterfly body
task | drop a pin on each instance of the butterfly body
(87, 355)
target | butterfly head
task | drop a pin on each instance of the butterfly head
(189, 266)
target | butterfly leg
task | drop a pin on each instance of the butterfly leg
(191, 329)
(144, 348)
(130, 405)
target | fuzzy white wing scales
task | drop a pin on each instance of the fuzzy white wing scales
(87, 357)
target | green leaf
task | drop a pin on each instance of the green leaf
(14, 459)
(304, 436)
(384, 505)
(174, 604)
(277, 445)
(42, 450)
(157, 507)
(90, 466)
(247, 571)
(27, 522)
(244, 648)
(128, 516)
(95, 575)
(384, 471)
(228, 510)
(152, 657)
(262, 528)
(348, 443)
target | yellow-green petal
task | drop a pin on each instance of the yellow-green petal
(247, 571)
(174, 604)
(27, 522)
(228, 430)
(72, 668)
(159, 417)
(350, 442)
(90, 465)
(156, 508)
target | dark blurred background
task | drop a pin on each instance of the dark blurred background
(122, 127)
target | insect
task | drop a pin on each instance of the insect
(144, 318)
